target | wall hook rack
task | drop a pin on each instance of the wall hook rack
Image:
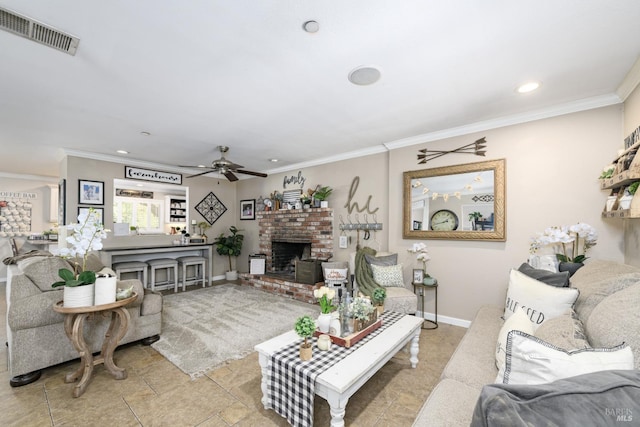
(366, 225)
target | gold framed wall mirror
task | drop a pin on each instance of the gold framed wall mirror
(460, 202)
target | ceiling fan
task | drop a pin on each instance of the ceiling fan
(225, 167)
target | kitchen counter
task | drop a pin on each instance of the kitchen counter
(115, 254)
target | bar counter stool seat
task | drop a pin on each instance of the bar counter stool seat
(138, 267)
(171, 267)
(199, 263)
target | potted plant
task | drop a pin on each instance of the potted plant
(378, 297)
(203, 227)
(473, 217)
(321, 195)
(325, 297)
(305, 327)
(86, 237)
(230, 246)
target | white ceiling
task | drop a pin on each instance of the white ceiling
(243, 73)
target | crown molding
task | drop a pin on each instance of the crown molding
(125, 161)
(331, 159)
(545, 113)
(630, 82)
(8, 175)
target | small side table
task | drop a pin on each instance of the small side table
(74, 328)
(422, 287)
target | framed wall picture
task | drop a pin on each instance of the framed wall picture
(99, 212)
(90, 192)
(418, 275)
(62, 198)
(248, 209)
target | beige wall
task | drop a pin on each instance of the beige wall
(632, 226)
(199, 187)
(373, 172)
(552, 170)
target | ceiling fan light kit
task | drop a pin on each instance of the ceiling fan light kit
(225, 167)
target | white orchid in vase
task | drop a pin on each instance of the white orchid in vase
(422, 254)
(570, 243)
(86, 237)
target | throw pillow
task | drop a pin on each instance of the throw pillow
(335, 274)
(615, 320)
(385, 260)
(541, 302)
(388, 275)
(560, 280)
(533, 361)
(520, 322)
(43, 271)
(565, 332)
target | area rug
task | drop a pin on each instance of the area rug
(202, 329)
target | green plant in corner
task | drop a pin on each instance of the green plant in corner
(86, 237)
(633, 188)
(230, 245)
(305, 327)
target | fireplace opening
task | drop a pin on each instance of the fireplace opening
(285, 254)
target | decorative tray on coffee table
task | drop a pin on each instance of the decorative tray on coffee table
(351, 339)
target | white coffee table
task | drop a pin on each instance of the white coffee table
(338, 383)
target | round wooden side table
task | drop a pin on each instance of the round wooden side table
(74, 328)
(422, 287)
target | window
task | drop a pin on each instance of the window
(146, 214)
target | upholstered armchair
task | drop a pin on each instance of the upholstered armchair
(400, 295)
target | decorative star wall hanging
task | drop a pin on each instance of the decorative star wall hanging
(211, 208)
(478, 148)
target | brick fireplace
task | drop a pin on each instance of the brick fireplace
(301, 227)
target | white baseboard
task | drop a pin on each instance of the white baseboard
(445, 319)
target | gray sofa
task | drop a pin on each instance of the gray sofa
(35, 332)
(607, 307)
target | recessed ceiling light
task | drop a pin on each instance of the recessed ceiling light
(122, 151)
(364, 75)
(273, 160)
(528, 87)
(201, 166)
(145, 133)
(311, 26)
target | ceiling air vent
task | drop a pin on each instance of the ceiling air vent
(37, 31)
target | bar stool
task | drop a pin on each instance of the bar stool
(198, 263)
(138, 267)
(167, 264)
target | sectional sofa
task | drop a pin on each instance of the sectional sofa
(606, 315)
(35, 332)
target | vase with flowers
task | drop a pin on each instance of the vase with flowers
(569, 243)
(325, 297)
(86, 236)
(422, 255)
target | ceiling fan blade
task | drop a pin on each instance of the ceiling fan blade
(201, 173)
(230, 176)
(261, 175)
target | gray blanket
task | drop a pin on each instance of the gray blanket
(603, 398)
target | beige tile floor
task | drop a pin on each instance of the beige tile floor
(156, 393)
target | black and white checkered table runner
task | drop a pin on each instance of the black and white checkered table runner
(291, 381)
